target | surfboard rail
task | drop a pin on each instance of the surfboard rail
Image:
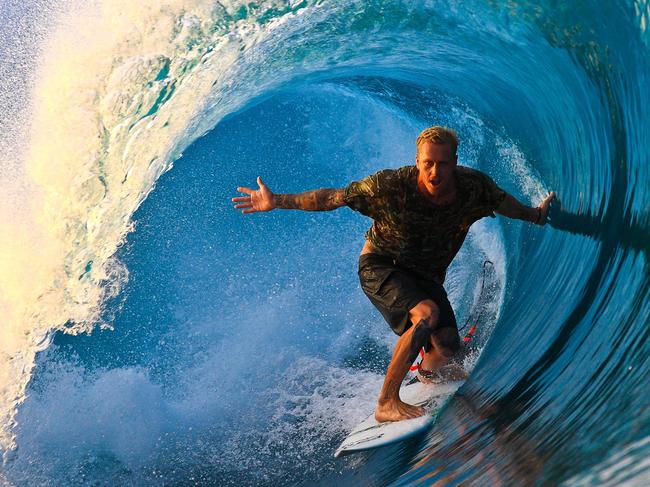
(370, 434)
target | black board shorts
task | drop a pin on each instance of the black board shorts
(394, 291)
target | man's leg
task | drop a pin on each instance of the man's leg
(445, 343)
(390, 407)
(434, 358)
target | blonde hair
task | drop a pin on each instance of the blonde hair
(437, 135)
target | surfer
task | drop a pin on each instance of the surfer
(421, 215)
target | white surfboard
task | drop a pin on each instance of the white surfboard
(371, 434)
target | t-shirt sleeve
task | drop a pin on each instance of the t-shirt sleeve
(488, 195)
(369, 195)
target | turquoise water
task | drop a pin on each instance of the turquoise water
(166, 339)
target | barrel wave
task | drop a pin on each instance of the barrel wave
(152, 335)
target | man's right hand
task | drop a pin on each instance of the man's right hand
(258, 200)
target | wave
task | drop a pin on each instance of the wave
(544, 98)
(107, 121)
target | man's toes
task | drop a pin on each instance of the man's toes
(414, 412)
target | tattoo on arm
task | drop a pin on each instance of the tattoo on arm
(315, 200)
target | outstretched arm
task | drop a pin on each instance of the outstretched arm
(263, 199)
(512, 208)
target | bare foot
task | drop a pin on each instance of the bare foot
(446, 373)
(426, 377)
(453, 372)
(397, 410)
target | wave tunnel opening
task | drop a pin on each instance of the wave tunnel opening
(165, 337)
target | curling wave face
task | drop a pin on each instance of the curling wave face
(316, 94)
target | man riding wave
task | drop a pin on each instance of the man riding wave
(421, 215)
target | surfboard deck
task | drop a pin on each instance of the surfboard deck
(371, 434)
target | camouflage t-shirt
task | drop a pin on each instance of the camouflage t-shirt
(420, 235)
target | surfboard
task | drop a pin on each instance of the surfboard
(371, 434)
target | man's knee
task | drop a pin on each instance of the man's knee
(425, 310)
(446, 340)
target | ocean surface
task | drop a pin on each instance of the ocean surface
(150, 334)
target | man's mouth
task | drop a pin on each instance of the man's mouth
(434, 182)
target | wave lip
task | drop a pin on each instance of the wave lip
(113, 112)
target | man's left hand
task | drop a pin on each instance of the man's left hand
(544, 207)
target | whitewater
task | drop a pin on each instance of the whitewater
(150, 334)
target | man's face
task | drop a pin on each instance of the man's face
(436, 164)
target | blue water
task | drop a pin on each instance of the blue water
(241, 349)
